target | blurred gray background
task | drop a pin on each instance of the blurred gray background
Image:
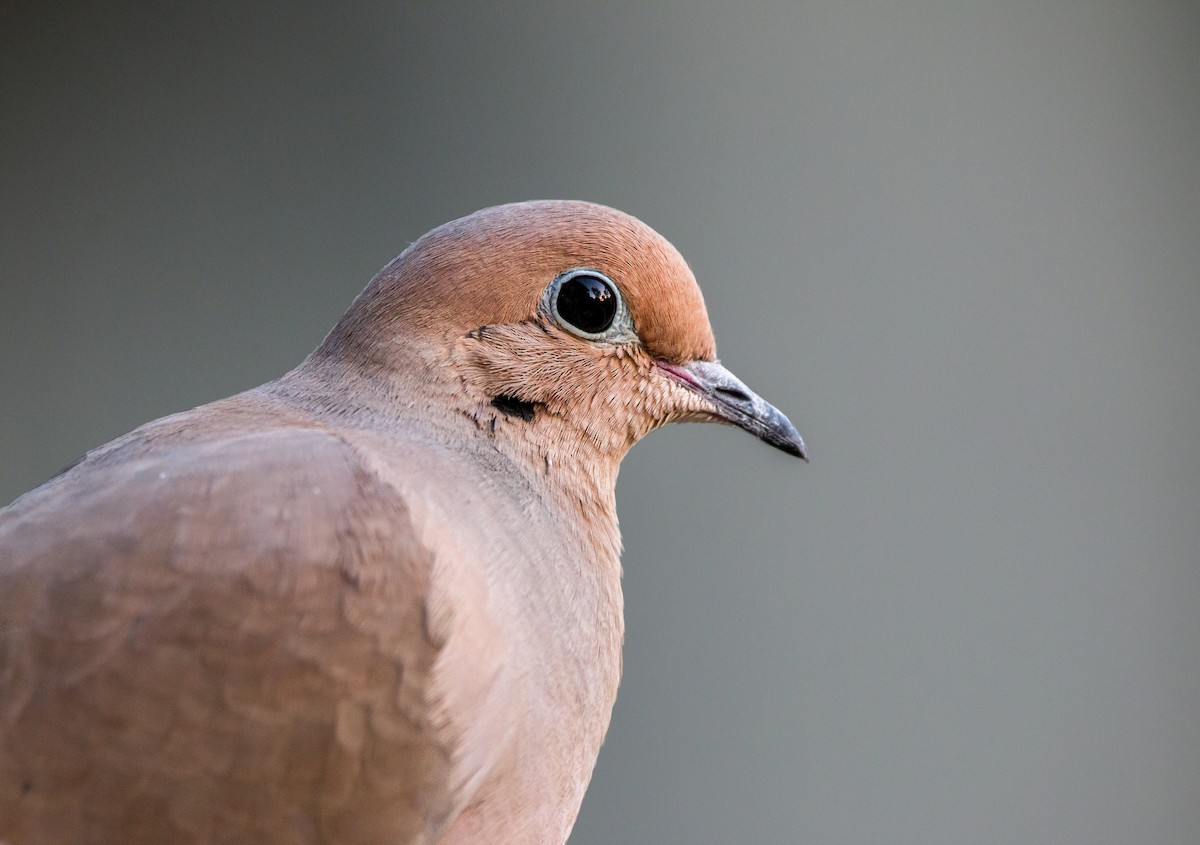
(959, 243)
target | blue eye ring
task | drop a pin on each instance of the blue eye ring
(588, 304)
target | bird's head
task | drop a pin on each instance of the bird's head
(569, 327)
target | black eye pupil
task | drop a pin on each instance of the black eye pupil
(588, 303)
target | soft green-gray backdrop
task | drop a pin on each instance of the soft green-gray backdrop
(959, 243)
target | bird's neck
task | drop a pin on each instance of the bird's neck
(550, 446)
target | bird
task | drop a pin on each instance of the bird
(378, 599)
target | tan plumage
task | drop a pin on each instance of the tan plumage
(375, 601)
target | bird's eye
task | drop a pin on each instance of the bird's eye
(586, 302)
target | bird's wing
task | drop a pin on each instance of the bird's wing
(222, 640)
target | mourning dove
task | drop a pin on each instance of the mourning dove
(378, 599)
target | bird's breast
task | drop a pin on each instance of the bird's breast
(527, 599)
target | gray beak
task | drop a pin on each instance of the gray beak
(737, 404)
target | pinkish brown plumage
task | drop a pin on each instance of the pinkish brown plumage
(378, 599)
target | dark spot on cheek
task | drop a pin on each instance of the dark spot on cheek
(511, 406)
(26, 786)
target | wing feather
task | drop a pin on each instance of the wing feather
(218, 640)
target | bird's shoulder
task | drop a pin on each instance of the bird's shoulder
(181, 492)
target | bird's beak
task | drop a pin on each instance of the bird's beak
(737, 404)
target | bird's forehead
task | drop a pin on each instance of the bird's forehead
(493, 266)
